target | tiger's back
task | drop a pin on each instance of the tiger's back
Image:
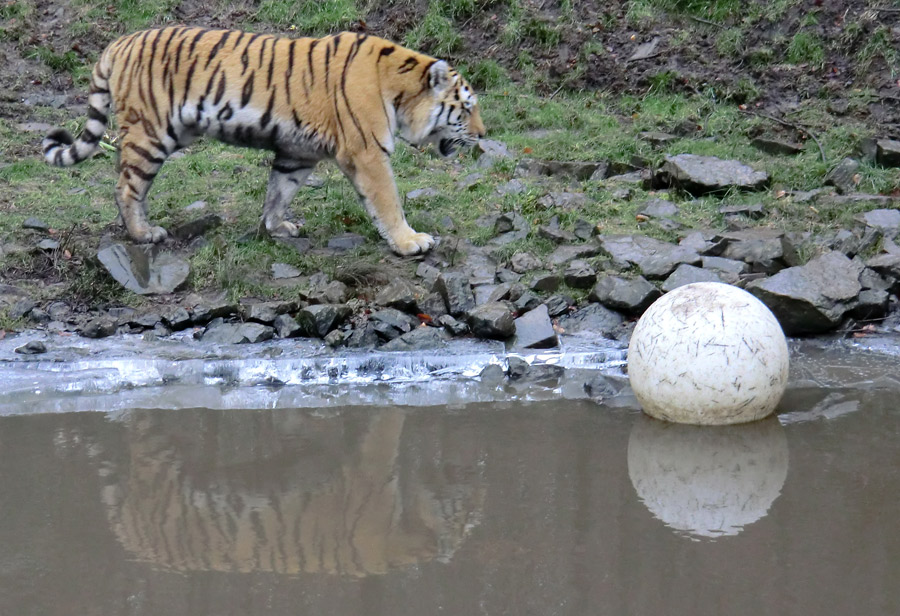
(342, 97)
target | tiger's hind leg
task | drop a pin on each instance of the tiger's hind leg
(285, 179)
(139, 162)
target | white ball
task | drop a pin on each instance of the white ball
(708, 353)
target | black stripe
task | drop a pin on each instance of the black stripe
(350, 57)
(297, 121)
(247, 92)
(289, 71)
(96, 114)
(211, 80)
(262, 50)
(309, 60)
(216, 48)
(225, 113)
(178, 55)
(57, 160)
(385, 52)
(238, 40)
(245, 55)
(271, 66)
(187, 81)
(287, 168)
(267, 116)
(408, 65)
(145, 154)
(220, 92)
(383, 149)
(139, 172)
(337, 41)
(327, 63)
(171, 133)
(89, 137)
(196, 39)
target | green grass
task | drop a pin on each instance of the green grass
(436, 33)
(309, 18)
(806, 48)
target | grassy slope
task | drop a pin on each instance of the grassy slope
(572, 126)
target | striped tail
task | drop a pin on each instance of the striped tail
(60, 148)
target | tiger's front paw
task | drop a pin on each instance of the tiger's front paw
(149, 235)
(413, 244)
(284, 229)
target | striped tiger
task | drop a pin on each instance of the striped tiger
(343, 97)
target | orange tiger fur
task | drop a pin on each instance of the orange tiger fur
(342, 97)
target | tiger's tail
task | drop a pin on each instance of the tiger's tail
(60, 148)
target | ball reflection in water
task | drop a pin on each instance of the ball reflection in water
(707, 482)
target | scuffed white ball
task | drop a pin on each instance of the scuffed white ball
(708, 353)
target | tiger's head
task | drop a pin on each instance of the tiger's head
(446, 114)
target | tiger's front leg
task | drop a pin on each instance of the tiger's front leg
(373, 178)
(285, 179)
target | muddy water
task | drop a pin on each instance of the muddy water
(544, 508)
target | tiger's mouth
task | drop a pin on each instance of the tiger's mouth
(447, 147)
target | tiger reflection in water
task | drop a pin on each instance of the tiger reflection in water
(358, 514)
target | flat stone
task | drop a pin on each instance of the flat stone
(470, 181)
(884, 220)
(812, 298)
(36, 224)
(658, 208)
(32, 347)
(729, 270)
(569, 252)
(457, 328)
(301, 244)
(48, 245)
(282, 271)
(558, 305)
(100, 327)
(346, 241)
(492, 320)
(584, 230)
(700, 175)
(266, 312)
(632, 296)
(287, 327)
(197, 227)
(546, 282)
(665, 261)
(35, 127)
(145, 269)
(630, 250)
(558, 169)
(333, 292)
(526, 301)
(871, 304)
(419, 339)
(751, 245)
(175, 318)
(456, 292)
(523, 262)
(391, 323)
(844, 176)
(432, 305)
(555, 234)
(237, 333)
(887, 152)
(337, 338)
(579, 274)
(594, 318)
(363, 337)
(534, 330)
(402, 295)
(512, 187)
(656, 138)
(319, 319)
(776, 147)
(687, 274)
(196, 206)
(510, 221)
(488, 152)
(754, 211)
(562, 200)
(422, 193)
(428, 273)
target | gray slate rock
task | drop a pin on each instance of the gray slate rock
(237, 333)
(579, 274)
(175, 318)
(454, 289)
(419, 339)
(555, 234)
(558, 305)
(523, 262)
(688, 274)
(813, 298)
(346, 241)
(457, 328)
(48, 245)
(197, 227)
(100, 327)
(36, 224)
(319, 319)
(433, 305)
(658, 208)
(664, 262)
(754, 211)
(843, 176)
(546, 282)
(488, 152)
(871, 304)
(287, 327)
(629, 250)
(700, 175)
(391, 323)
(422, 193)
(32, 347)
(632, 297)
(883, 220)
(594, 318)
(534, 330)
(729, 270)
(281, 271)
(776, 147)
(402, 295)
(557, 169)
(266, 312)
(333, 292)
(750, 246)
(562, 200)
(569, 252)
(492, 320)
(144, 269)
(887, 152)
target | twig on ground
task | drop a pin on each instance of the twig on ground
(706, 21)
(797, 127)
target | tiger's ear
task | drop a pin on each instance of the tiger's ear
(439, 76)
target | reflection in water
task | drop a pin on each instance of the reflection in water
(287, 494)
(708, 481)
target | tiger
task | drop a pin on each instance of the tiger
(343, 97)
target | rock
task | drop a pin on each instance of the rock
(507, 275)
(658, 208)
(645, 50)
(492, 320)
(687, 274)
(812, 298)
(362, 337)
(428, 273)
(555, 234)
(883, 220)
(287, 327)
(471, 180)
(457, 328)
(455, 290)
(419, 339)
(579, 274)
(236, 333)
(523, 262)
(776, 147)
(337, 338)
(488, 152)
(145, 269)
(534, 330)
(402, 295)
(546, 282)
(563, 200)
(300, 244)
(569, 252)
(281, 271)
(558, 305)
(319, 319)
(700, 175)
(632, 177)
(217, 308)
(526, 301)
(334, 292)
(521, 370)
(754, 211)
(656, 138)
(196, 206)
(346, 241)
(422, 193)
(729, 270)
(698, 241)
(887, 152)
(886, 265)
(483, 293)
(512, 187)
(100, 327)
(39, 316)
(663, 262)
(584, 230)
(510, 221)
(630, 250)
(751, 246)
(197, 227)
(843, 176)
(432, 305)
(600, 387)
(629, 296)
(480, 269)
(594, 318)
(175, 318)
(35, 127)
(390, 323)
(36, 224)
(48, 245)
(871, 304)
(32, 347)
(557, 169)
(266, 312)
